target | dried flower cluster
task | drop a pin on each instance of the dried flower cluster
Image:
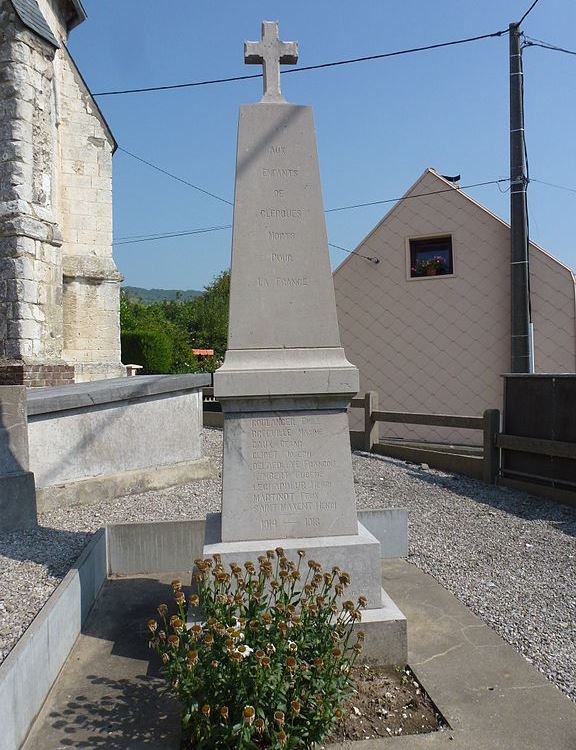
(269, 667)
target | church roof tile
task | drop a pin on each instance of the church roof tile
(31, 16)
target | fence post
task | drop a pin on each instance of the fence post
(491, 464)
(371, 429)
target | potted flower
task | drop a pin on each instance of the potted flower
(430, 267)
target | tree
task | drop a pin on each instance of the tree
(160, 336)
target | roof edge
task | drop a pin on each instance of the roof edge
(79, 16)
(99, 112)
(385, 217)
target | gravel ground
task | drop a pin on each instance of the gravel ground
(510, 558)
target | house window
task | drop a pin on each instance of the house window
(431, 256)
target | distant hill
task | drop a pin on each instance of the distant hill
(148, 296)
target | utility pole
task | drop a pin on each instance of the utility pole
(522, 354)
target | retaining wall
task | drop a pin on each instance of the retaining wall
(113, 437)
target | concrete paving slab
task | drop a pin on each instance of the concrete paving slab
(109, 693)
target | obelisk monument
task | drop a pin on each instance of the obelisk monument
(286, 383)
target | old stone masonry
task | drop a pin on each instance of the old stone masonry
(59, 286)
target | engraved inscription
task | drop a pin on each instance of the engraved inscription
(281, 213)
(281, 236)
(281, 258)
(279, 172)
(277, 150)
(282, 282)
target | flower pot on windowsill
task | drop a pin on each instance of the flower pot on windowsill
(431, 272)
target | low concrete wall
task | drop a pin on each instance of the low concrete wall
(112, 437)
(155, 547)
(27, 674)
(162, 547)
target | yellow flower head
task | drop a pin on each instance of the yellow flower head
(248, 715)
(152, 626)
(279, 717)
(192, 658)
(162, 610)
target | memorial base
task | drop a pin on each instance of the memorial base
(383, 623)
(358, 555)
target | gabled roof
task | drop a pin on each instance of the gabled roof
(31, 16)
(446, 186)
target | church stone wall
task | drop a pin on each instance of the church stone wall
(59, 287)
(31, 327)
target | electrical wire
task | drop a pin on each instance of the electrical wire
(134, 239)
(336, 63)
(173, 176)
(530, 42)
(418, 195)
(169, 235)
(528, 11)
(554, 185)
(131, 239)
(355, 252)
(137, 238)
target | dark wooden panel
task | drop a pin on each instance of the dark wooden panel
(535, 445)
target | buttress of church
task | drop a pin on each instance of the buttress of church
(59, 286)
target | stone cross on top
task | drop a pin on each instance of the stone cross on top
(271, 53)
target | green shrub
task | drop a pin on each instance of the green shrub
(151, 348)
(270, 665)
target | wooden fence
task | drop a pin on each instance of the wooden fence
(484, 466)
(484, 463)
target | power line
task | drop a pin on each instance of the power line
(554, 185)
(418, 195)
(173, 176)
(355, 252)
(169, 235)
(135, 239)
(528, 11)
(350, 61)
(545, 45)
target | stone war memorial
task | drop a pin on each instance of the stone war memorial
(286, 383)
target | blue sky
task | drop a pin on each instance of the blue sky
(379, 123)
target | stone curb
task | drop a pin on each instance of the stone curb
(48, 641)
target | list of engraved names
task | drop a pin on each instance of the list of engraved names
(292, 475)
